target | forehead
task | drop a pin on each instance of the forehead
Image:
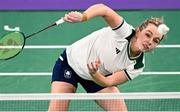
(151, 28)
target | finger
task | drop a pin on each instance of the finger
(98, 62)
(70, 18)
(73, 14)
(89, 68)
(66, 18)
(94, 68)
(76, 15)
(97, 66)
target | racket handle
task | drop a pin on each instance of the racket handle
(60, 21)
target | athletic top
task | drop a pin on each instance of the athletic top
(111, 46)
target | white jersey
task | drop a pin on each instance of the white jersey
(111, 46)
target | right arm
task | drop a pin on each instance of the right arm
(109, 15)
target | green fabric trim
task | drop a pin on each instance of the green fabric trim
(139, 62)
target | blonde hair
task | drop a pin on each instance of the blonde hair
(153, 20)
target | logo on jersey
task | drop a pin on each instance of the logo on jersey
(67, 74)
(117, 51)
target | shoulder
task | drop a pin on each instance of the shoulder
(123, 30)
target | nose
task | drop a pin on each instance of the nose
(149, 42)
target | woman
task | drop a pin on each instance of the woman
(106, 58)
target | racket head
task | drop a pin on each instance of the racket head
(11, 44)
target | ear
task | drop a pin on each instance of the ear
(137, 30)
(136, 33)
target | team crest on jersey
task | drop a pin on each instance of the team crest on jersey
(67, 74)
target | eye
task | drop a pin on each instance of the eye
(148, 35)
(156, 41)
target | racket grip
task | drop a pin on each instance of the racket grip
(60, 21)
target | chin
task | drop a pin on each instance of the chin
(148, 50)
(144, 50)
(141, 48)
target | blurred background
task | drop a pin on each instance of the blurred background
(30, 72)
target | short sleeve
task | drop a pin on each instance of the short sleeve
(133, 73)
(123, 30)
(135, 69)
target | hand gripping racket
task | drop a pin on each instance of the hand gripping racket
(13, 43)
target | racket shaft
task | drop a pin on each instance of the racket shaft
(58, 22)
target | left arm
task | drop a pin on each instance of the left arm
(112, 80)
(116, 78)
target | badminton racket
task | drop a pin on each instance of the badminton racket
(11, 44)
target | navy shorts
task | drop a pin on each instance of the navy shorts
(63, 72)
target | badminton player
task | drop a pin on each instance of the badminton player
(105, 58)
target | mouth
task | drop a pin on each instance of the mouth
(145, 47)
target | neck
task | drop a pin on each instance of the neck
(134, 50)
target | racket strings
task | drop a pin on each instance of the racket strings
(10, 43)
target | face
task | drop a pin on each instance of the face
(148, 38)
